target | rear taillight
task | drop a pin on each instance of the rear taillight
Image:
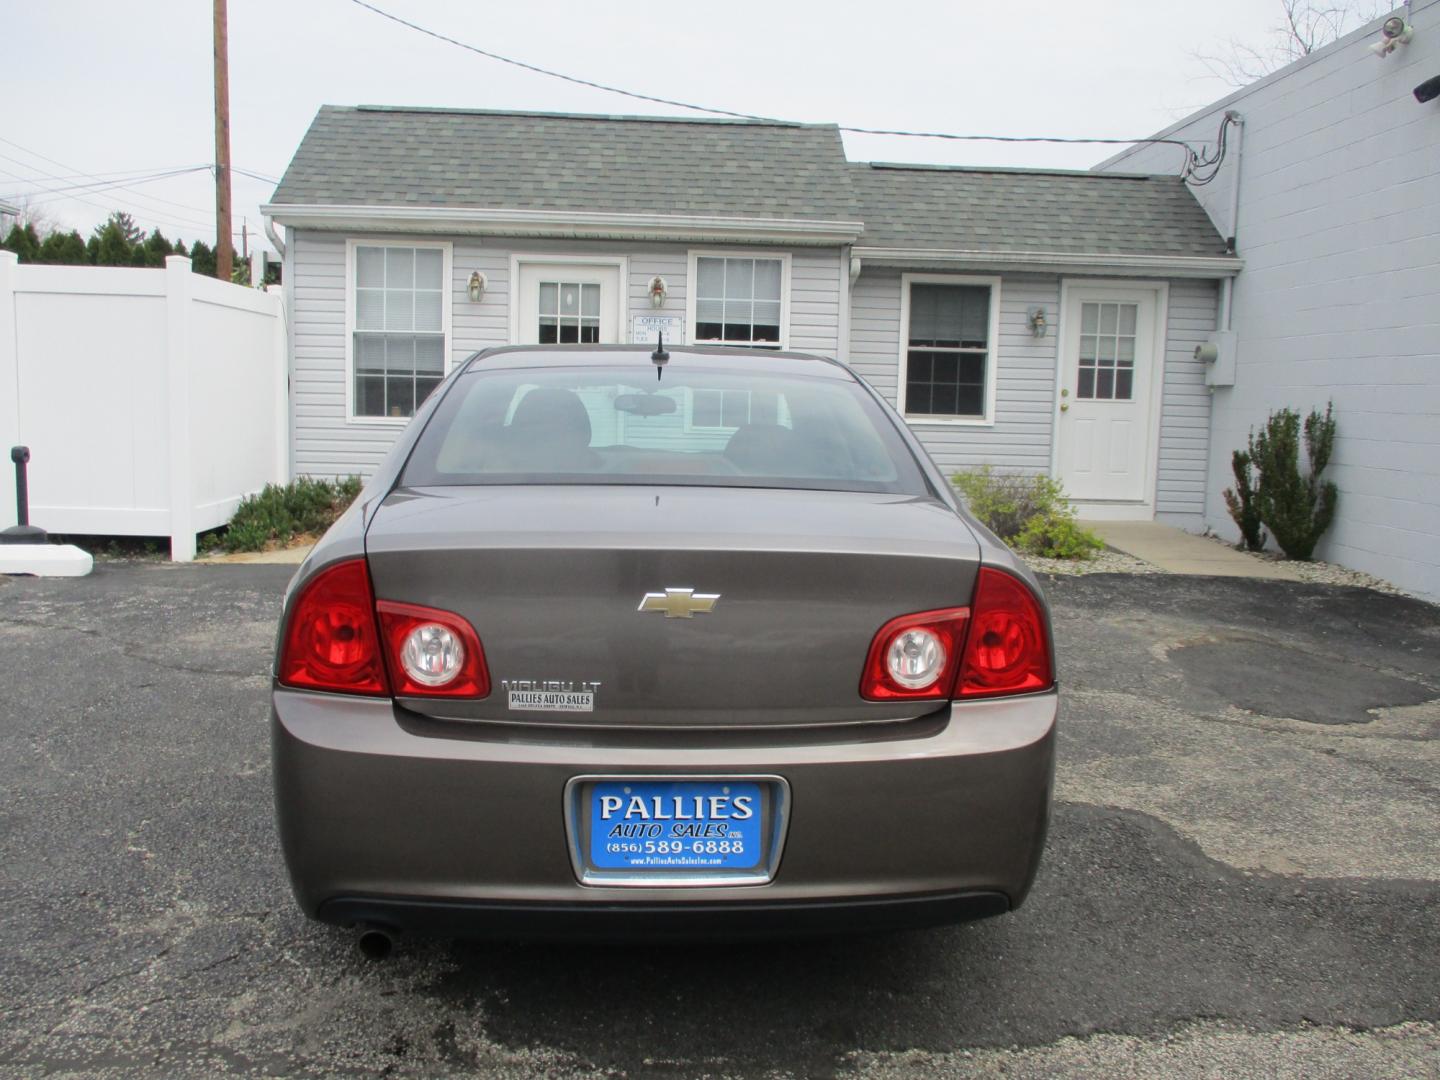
(331, 641)
(1006, 650)
(432, 653)
(915, 657)
(998, 645)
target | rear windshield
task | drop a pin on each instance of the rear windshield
(603, 424)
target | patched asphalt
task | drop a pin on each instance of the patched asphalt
(1243, 876)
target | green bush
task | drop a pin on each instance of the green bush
(279, 515)
(1297, 506)
(1029, 512)
(1057, 535)
(1242, 503)
(1006, 501)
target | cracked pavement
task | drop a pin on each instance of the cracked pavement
(1242, 877)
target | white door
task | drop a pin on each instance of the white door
(1109, 367)
(567, 304)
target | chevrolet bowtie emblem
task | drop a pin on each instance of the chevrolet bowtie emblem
(679, 603)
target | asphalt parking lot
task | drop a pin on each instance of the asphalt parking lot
(1243, 876)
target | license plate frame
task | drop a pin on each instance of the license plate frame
(774, 823)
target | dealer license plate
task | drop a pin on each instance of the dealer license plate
(663, 826)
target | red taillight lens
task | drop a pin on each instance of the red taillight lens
(1007, 650)
(432, 653)
(915, 657)
(331, 642)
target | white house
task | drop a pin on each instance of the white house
(1035, 320)
(1329, 189)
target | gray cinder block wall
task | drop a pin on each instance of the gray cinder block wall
(1339, 227)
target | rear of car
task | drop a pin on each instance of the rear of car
(610, 646)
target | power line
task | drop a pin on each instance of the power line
(554, 74)
(120, 180)
(114, 174)
(173, 221)
(108, 185)
(254, 175)
(170, 216)
(1193, 157)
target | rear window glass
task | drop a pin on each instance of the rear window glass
(601, 424)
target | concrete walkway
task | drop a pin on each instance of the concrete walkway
(1178, 552)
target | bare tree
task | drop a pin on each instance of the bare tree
(42, 221)
(1303, 27)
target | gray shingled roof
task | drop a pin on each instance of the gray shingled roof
(935, 206)
(468, 158)
(374, 156)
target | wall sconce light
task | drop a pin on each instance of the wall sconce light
(1038, 324)
(476, 286)
(658, 291)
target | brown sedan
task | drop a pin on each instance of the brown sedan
(686, 644)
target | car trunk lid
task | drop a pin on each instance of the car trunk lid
(554, 578)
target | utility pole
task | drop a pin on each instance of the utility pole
(224, 244)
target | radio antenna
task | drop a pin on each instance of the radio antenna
(660, 357)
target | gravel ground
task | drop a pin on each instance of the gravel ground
(1108, 561)
(1320, 573)
(1317, 572)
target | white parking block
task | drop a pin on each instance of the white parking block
(45, 560)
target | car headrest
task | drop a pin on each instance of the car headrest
(765, 450)
(552, 415)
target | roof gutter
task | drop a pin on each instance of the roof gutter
(568, 224)
(1060, 261)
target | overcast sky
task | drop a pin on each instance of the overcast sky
(100, 87)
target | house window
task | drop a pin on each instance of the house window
(399, 334)
(1107, 352)
(948, 350)
(738, 300)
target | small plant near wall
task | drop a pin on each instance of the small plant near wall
(1028, 512)
(278, 516)
(1296, 505)
(1242, 502)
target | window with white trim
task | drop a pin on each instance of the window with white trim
(948, 350)
(399, 335)
(738, 300)
(727, 409)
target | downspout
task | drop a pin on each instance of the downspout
(287, 305)
(274, 236)
(1227, 284)
(1224, 316)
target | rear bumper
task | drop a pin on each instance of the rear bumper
(660, 922)
(387, 818)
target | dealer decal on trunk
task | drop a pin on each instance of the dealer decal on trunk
(550, 695)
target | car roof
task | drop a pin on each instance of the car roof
(711, 358)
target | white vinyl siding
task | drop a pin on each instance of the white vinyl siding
(1185, 405)
(325, 444)
(1024, 372)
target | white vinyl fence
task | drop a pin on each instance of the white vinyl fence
(152, 400)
